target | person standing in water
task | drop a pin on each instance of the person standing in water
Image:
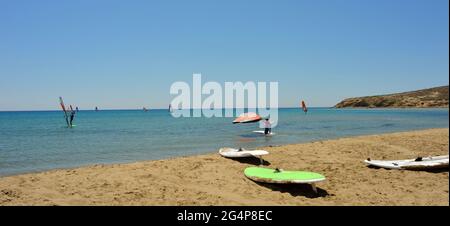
(267, 127)
(72, 115)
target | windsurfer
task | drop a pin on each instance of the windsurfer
(72, 115)
(305, 109)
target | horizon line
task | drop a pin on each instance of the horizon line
(150, 109)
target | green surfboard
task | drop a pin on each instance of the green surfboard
(266, 175)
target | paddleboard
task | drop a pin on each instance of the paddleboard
(262, 132)
(433, 162)
(267, 175)
(235, 153)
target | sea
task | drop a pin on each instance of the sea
(34, 141)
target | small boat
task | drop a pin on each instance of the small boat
(248, 118)
(420, 163)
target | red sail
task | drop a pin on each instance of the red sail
(61, 102)
(305, 109)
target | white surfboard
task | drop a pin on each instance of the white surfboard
(262, 132)
(235, 153)
(433, 162)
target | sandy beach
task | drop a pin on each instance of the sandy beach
(213, 180)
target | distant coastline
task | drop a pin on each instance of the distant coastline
(162, 109)
(436, 97)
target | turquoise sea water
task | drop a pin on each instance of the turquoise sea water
(37, 141)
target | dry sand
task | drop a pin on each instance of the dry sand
(213, 180)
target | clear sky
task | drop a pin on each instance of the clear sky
(126, 54)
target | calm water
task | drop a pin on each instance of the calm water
(36, 141)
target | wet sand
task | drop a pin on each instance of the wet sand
(213, 180)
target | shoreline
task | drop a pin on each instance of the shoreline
(208, 179)
(205, 153)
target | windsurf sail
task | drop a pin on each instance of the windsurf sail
(305, 109)
(61, 102)
(72, 112)
(247, 118)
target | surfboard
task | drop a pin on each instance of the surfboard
(266, 175)
(262, 132)
(235, 153)
(432, 162)
(69, 127)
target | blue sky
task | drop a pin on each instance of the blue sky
(126, 54)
